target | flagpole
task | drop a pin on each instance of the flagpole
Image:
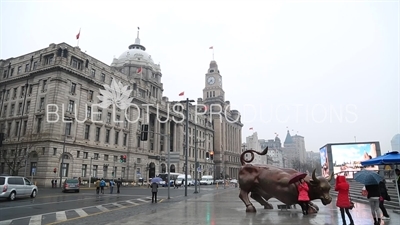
(213, 54)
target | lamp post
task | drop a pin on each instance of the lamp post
(186, 141)
(63, 152)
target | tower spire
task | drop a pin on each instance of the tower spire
(137, 41)
(138, 29)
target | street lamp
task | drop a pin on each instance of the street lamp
(63, 152)
(186, 141)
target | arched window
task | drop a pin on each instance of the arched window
(65, 53)
(172, 169)
(59, 52)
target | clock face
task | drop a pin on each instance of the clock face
(211, 80)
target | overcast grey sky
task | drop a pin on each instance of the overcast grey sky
(327, 70)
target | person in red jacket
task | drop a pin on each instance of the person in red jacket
(303, 197)
(343, 200)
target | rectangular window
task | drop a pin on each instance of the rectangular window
(75, 63)
(11, 72)
(64, 169)
(105, 171)
(90, 95)
(93, 72)
(94, 171)
(22, 92)
(89, 112)
(103, 77)
(19, 108)
(99, 114)
(97, 133)
(5, 73)
(116, 137)
(138, 141)
(41, 103)
(96, 156)
(107, 136)
(87, 130)
(44, 87)
(16, 129)
(15, 93)
(25, 127)
(28, 104)
(12, 109)
(73, 88)
(30, 89)
(27, 67)
(109, 117)
(85, 155)
(33, 169)
(118, 119)
(19, 69)
(125, 138)
(84, 169)
(105, 157)
(48, 59)
(54, 151)
(5, 111)
(71, 106)
(39, 125)
(115, 158)
(7, 94)
(34, 65)
(78, 154)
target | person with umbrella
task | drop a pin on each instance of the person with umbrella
(343, 200)
(371, 181)
(154, 189)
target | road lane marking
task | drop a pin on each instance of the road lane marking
(102, 208)
(118, 205)
(133, 203)
(5, 222)
(80, 212)
(36, 220)
(60, 216)
(139, 199)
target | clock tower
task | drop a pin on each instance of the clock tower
(213, 92)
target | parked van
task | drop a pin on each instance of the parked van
(181, 178)
(13, 186)
(206, 180)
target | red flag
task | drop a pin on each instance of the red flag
(212, 47)
(139, 70)
(182, 93)
(79, 34)
(250, 128)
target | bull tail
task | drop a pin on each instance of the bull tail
(244, 161)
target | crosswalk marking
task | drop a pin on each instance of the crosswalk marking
(81, 212)
(118, 205)
(142, 200)
(36, 220)
(102, 208)
(60, 216)
(133, 203)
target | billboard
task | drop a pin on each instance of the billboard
(345, 158)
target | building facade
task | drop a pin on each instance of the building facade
(275, 154)
(253, 143)
(227, 125)
(54, 124)
(294, 150)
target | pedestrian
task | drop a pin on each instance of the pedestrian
(118, 185)
(102, 185)
(55, 183)
(80, 180)
(373, 195)
(175, 185)
(303, 197)
(154, 190)
(52, 183)
(97, 185)
(343, 200)
(384, 196)
(111, 186)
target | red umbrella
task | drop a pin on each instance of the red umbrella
(297, 177)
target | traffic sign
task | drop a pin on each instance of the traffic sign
(199, 169)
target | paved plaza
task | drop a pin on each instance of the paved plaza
(224, 207)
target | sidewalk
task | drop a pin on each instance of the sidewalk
(225, 207)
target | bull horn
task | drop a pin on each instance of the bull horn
(315, 180)
(330, 177)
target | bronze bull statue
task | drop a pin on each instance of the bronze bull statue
(265, 182)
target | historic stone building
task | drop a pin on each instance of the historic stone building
(227, 125)
(40, 89)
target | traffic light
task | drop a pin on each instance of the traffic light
(55, 170)
(145, 132)
(124, 159)
(207, 155)
(212, 155)
(121, 158)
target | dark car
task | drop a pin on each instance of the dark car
(70, 185)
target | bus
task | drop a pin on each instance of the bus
(164, 177)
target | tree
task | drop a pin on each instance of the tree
(16, 157)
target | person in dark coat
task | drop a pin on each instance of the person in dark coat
(118, 185)
(343, 200)
(154, 190)
(373, 197)
(384, 196)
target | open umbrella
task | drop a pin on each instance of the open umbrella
(368, 177)
(296, 177)
(156, 180)
(390, 158)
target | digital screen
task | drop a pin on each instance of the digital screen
(324, 161)
(347, 158)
